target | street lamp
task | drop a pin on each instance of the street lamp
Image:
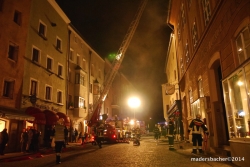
(134, 102)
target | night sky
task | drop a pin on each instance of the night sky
(104, 24)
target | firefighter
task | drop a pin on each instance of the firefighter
(196, 126)
(171, 133)
(59, 139)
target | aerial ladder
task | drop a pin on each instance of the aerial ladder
(94, 118)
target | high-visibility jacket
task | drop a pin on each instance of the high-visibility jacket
(197, 126)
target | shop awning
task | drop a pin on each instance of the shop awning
(65, 117)
(51, 117)
(38, 114)
(13, 113)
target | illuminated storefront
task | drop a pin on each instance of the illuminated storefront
(236, 94)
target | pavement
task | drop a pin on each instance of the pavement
(19, 156)
(181, 147)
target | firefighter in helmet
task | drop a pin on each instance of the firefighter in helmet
(171, 133)
(197, 126)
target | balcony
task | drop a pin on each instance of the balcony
(80, 112)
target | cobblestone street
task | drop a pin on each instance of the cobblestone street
(148, 154)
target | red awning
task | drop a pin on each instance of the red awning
(51, 117)
(38, 114)
(65, 117)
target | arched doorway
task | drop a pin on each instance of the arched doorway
(217, 113)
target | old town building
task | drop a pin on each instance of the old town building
(85, 73)
(44, 79)
(212, 51)
(14, 23)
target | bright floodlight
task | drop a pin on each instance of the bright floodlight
(134, 102)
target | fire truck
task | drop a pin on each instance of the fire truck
(104, 130)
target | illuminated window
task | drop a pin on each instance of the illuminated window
(237, 98)
(200, 87)
(243, 45)
(183, 18)
(194, 35)
(206, 10)
(187, 53)
(191, 99)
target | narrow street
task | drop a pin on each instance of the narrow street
(148, 154)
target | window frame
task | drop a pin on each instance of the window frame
(17, 17)
(38, 56)
(8, 88)
(59, 97)
(51, 63)
(35, 87)
(13, 52)
(48, 97)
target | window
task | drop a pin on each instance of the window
(179, 31)
(33, 87)
(187, 53)
(49, 64)
(60, 70)
(243, 45)
(70, 102)
(195, 35)
(200, 87)
(42, 30)
(48, 93)
(35, 55)
(81, 102)
(17, 17)
(13, 52)
(71, 55)
(191, 96)
(8, 88)
(182, 65)
(59, 96)
(237, 98)
(79, 79)
(1, 5)
(58, 44)
(183, 18)
(206, 10)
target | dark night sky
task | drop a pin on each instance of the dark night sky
(103, 25)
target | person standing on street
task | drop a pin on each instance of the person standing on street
(171, 133)
(156, 133)
(66, 135)
(4, 138)
(59, 139)
(196, 126)
(76, 135)
(24, 140)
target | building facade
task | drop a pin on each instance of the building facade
(85, 73)
(14, 20)
(212, 48)
(44, 79)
